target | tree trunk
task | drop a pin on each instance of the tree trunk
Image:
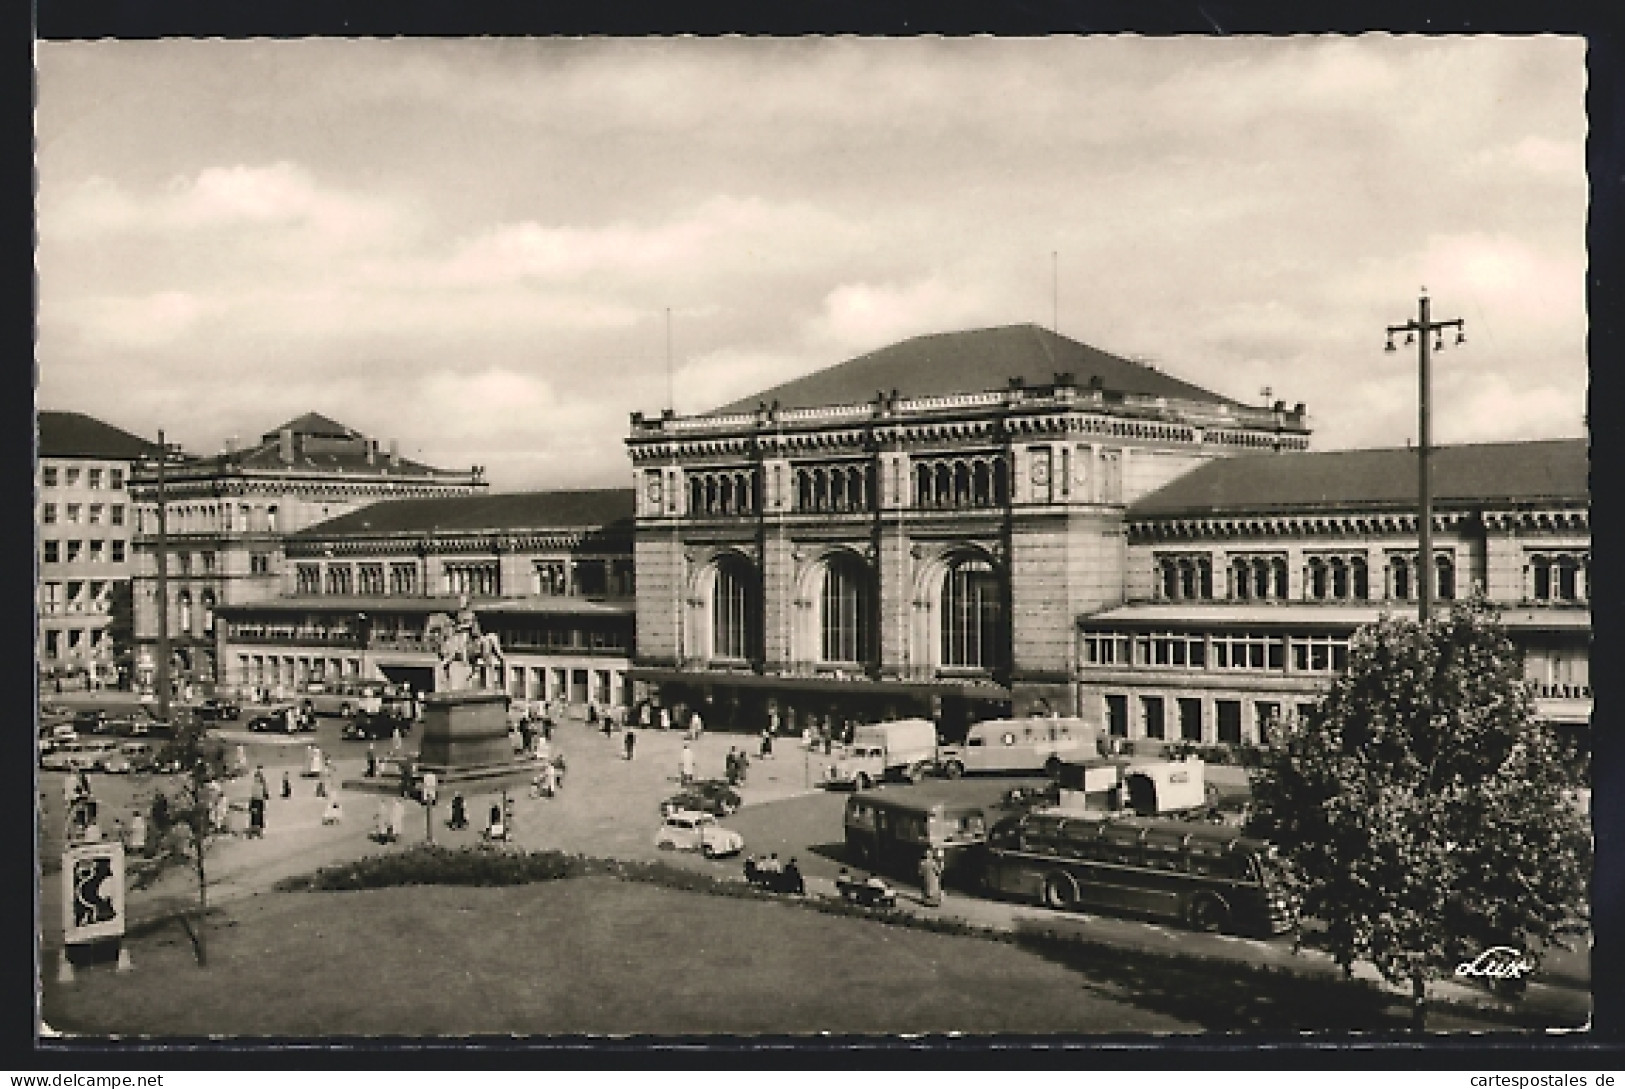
(1419, 1003)
(201, 941)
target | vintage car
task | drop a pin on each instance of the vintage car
(686, 830)
(713, 796)
(219, 709)
(279, 718)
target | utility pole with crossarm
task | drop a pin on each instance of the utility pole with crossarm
(1423, 323)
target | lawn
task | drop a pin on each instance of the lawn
(593, 955)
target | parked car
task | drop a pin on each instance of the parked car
(90, 720)
(67, 756)
(139, 756)
(376, 726)
(341, 698)
(219, 709)
(687, 830)
(97, 753)
(712, 796)
(283, 718)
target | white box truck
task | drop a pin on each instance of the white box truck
(904, 749)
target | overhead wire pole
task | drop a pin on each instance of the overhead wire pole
(1424, 324)
(671, 394)
(1055, 285)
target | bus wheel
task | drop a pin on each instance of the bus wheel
(954, 769)
(1052, 767)
(1058, 891)
(1209, 913)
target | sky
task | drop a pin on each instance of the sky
(472, 246)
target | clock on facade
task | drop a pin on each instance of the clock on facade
(1041, 470)
(654, 489)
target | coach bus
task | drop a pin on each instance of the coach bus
(1206, 876)
(892, 832)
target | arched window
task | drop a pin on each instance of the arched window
(1317, 579)
(1541, 568)
(1567, 571)
(973, 623)
(1261, 578)
(962, 492)
(1187, 579)
(944, 489)
(1204, 567)
(1001, 483)
(733, 610)
(982, 486)
(1360, 579)
(1240, 583)
(1446, 585)
(1400, 569)
(1278, 578)
(922, 485)
(1340, 578)
(1167, 578)
(844, 611)
(804, 490)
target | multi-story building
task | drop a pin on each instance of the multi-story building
(1247, 576)
(549, 572)
(228, 515)
(916, 530)
(85, 522)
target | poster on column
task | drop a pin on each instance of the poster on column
(93, 892)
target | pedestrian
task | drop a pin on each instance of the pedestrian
(524, 732)
(931, 878)
(547, 727)
(138, 833)
(730, 765)
(696, 724)
(259, 789)
(664, 718)
(767, 743)
(287, 785)
(742, 764)
(792, 882)
(631, 741)
(686, 764)
(395, 740)
(372, 762)
(459, 812)
(549, 780)
(256, 817)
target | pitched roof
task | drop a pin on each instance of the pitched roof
(312, 423)
(73, 434)
(972, 361)
(474, 513)
(352, 460)
(1509, 472)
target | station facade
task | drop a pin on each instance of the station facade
(549, 572)
(915, 531)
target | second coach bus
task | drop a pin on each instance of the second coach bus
(1207, 876)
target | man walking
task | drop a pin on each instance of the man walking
(686, 764)
(931, 878)
(631, 741)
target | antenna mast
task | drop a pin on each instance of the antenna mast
(671, 396)
(1055, 282)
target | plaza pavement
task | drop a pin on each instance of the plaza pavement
(609, 807)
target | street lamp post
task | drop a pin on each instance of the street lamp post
(1425, 325)
(162, 553)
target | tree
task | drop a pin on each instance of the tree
(184, 820)
(1420, 809)
(121, 628)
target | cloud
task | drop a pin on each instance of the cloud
(862, 316)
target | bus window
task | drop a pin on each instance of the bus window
(974, 742)
(861, 816)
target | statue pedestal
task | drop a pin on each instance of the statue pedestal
(466, 743)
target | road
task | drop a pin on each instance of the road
(609, 807)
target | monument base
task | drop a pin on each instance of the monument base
(466, 744)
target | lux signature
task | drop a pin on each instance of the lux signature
(1497, 962)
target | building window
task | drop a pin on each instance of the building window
(53, 551)
(207, 600)
(972, 616)
(51, 597)
(118, 550)
(1336, 577)
(1258, 577)
(338, 578)
(722, 491)
(97, 553)
(1117, 715)
(1268, 716)
(115, 479)
(837, 488)
(259, 563)
(73, 513)
(1319, 654)
(472, 579)
(1151, 716)
(75, 548)
(844, 611)
(116, 514)
(184, 608)
(1445, 572)
(964, 482)
(370, 578)
(1105, 648)
(206, 562)
(403, 578)
(48, 475)
(1558, 576)
(1247, 651)
(1190, 719)
(308, 578)
(48, 514)
(1184, 577)
(1229, 714)
(53, 643)
(93, 478)
(733, 609)
(551, 578)
(591, 578)
(70, 476)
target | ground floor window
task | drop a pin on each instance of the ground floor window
(1117, 715)
(1151, 716)
(1190, 719)
(1268, 715)
(1229, 712)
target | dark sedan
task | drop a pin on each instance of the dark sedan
(707, 796)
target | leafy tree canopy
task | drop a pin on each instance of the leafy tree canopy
(1421, 811)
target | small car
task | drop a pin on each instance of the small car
(139, 757)
(116, 763)
(711, 796)
(97, 753)
(219, 709)
(90, 721)
(686, 830)
(275, 720)
(67, 756)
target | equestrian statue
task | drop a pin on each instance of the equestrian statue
(461, 646)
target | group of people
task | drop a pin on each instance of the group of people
(770, 874)
(737, 766)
